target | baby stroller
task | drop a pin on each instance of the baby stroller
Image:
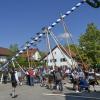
(83, 85)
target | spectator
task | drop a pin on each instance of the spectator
(58, 79)
(75, 77)
(31, 76)
(14, 82)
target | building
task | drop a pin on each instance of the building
(32, 54)
(59, 57)
(4, 54)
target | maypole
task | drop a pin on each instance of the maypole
(93, 3)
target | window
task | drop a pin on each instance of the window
(46, 60)
(63, 59)
(50, 60)
(53, 60)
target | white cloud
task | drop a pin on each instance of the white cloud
(65, 35)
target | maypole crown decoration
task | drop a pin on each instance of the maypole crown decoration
(94, 3)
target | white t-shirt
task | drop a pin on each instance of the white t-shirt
(16, 76)
(67, 71)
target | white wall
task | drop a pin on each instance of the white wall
(3, 59)
(58, 55)
(36, 56)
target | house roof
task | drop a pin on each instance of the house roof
(31, 52)
(65, 50)
(68, 52)
(5, 52)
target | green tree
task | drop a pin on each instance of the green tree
(22, 61)
(77, 52)
(13, 48)
(90, 44)
(42, 54)
(72, 47)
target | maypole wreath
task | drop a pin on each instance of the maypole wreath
(94, 3)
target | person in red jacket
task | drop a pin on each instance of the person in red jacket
(31, 76)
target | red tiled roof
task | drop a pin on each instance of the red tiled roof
(5, 52)
(30, 51)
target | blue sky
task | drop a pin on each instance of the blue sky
(22, 19)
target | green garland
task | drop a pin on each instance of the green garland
(94, 3)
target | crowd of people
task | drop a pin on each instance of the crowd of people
(52, 78)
